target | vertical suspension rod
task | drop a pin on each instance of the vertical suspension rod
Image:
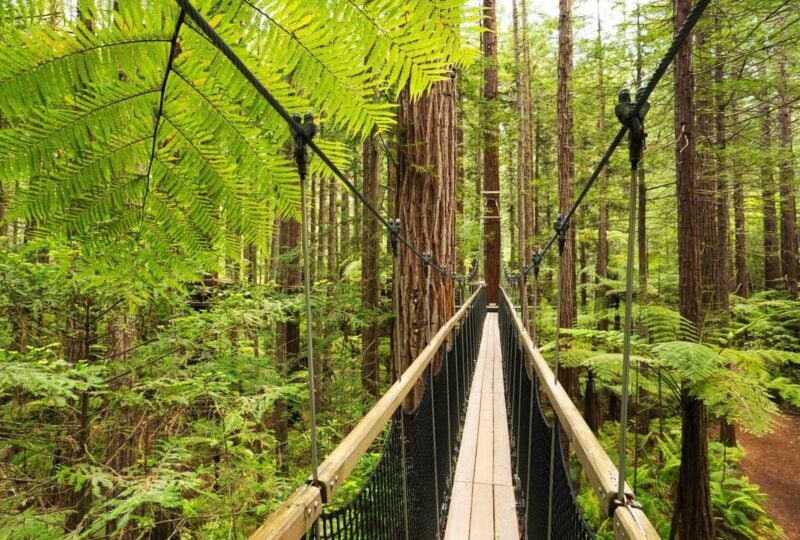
(626, 353)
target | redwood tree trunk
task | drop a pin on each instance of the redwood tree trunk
(787, 186)
(288, 341)
(723, 205)
(692, 509)
(601, 262)
(491, 155)
(425, 204)
(772, 259)
(740, 234)
(370, 283)
(566, 171)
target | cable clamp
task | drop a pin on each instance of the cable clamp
(302, 133)
(426, 261)
(536, 261)
(631, 115)
(561, 226)
(630, 502)
(394, 232)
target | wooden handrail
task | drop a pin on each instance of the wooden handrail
(297, 514)
(629, 521)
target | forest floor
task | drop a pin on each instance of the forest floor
(773, 462)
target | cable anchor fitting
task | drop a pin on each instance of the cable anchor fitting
(631, 115)
(536, 262)
(394, 232)
(303, 132)
(426, 261)
(561, 227)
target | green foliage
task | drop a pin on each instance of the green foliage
(129, 122)
(737, 503)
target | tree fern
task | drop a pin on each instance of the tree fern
(134, 123)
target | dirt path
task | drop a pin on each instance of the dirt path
(773, 462)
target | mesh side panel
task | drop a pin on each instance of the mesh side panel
(376, 512)
(530, 438)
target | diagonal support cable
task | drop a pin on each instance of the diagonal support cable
(677, 42)
(294, 126)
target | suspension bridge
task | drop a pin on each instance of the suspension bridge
(481, 455)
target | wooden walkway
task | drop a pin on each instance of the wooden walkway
(483, 505)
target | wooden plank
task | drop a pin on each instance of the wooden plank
(491, 349)
(505, 513)
(499, 384)
(465, 468)
(633, 523)
(458, 517)
(294, 518)
(502, 447)
(480, 365)
(481, 523)
(484, 456)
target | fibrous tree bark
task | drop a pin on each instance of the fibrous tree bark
(425, 205)
(601, 261)
(741, 287)
(723, 266)
(772, 258)
(524, 149)
(370, 272)
(287, 350)
(566, 171)
(641, 207)
(706, 185)
(788, 204)
(691, 516)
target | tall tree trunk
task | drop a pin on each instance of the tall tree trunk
(526, 155)
(344, 232)
(592, 411)
(288, 341)
(425, 204)
(322, 231)
(3, 193)
(692, 509)
(79, 340)
(787, 185)
(641, 207)
(772, 258)
(705, 178)
(740, 234)
(523, 149)
(333, 232)
(601, 262)
(727, 429)
(313, 237)
(566, 171)
(491, 154)
(723, 272)
(370, 271)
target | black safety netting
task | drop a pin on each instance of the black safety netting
(531, 437)
(432, 431)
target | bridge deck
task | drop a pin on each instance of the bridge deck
(483, 505)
